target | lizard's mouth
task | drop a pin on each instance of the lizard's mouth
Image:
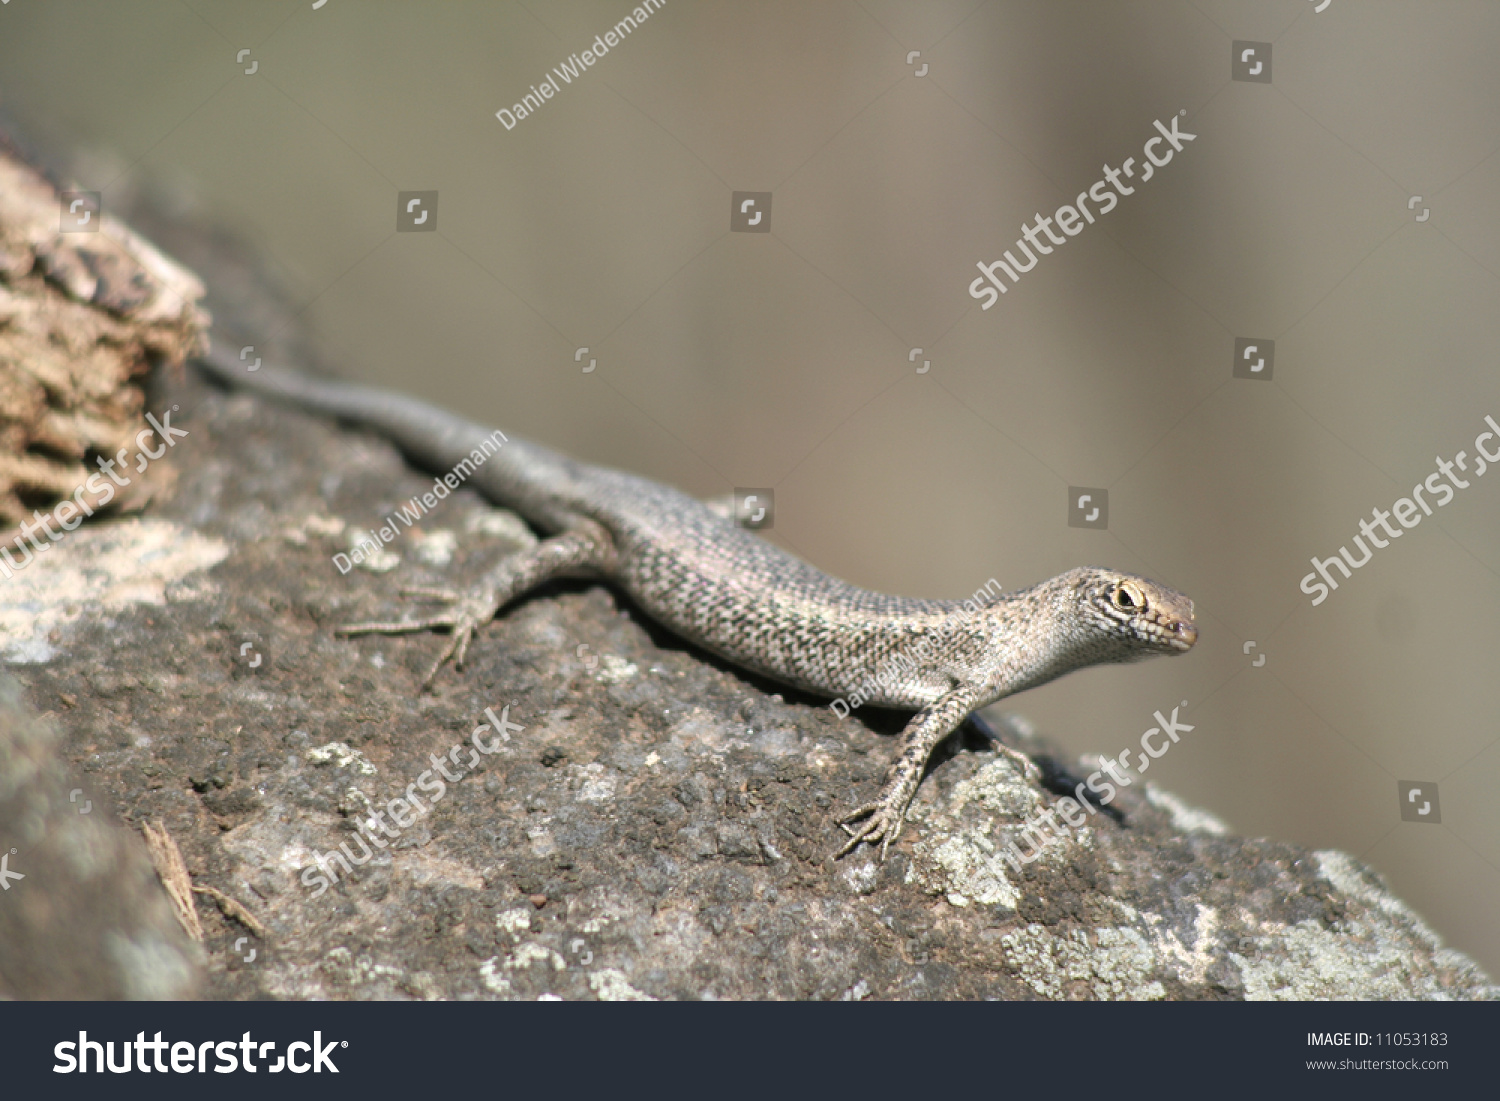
(1182, 636)
(1170, 633)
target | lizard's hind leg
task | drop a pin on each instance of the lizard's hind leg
(585, 545)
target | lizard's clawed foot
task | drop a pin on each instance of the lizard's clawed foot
(882, 823)
(987, 730)
(1020, 760)
(462, 619)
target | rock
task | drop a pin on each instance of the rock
(82, 913)
(595, 809)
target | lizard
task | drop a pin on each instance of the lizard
(713, 582)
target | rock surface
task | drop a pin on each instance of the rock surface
(82, 914)
(656, 824)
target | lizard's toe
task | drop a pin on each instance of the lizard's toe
(398, 627)
(883, 822)
(871, 831)
(854, 840)
(455, 647)
(855, 815)
(462, 619)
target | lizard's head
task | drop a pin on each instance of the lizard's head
(1130, 618)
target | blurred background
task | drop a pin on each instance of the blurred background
(1345, 211)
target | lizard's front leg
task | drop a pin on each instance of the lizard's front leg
(585, 545)
(884, 817)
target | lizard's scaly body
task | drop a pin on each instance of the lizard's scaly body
(728, 590)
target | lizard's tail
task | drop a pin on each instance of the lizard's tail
(345, 400)
(522, 475)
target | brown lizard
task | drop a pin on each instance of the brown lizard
(732, 592)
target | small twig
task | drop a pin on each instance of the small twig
(234, 909)
(172, 870)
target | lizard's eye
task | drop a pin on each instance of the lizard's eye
(1128, 597)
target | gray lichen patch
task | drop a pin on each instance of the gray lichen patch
(1308, 961)
(1189, 819)
(960, 849)
(1111, 963)
(98, 571)
(611, 985)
